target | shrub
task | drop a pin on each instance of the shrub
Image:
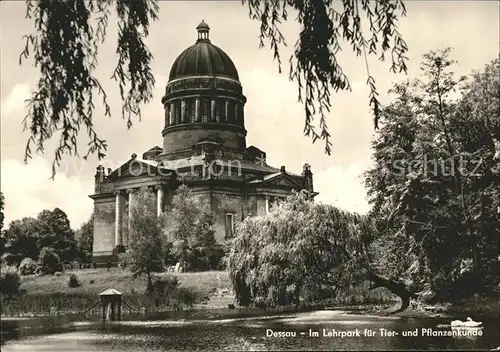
(9, 259)
(49, 262)
(162, 288)
(73, 281)
(205, 258)
(10, 280)
(28, 267)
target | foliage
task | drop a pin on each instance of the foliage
(162, 287)
(54, 231)
(10, 280)
(435, 182)
(204, 258)
(49, 262)
(146, 237)
(67, 49)
(26, 237)
(28, 267)
(85, 238)
(191, 231)
(2, 206)
(190, 222)
(21, 239)
(73, 281)
(296, 250)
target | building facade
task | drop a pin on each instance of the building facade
(204, 147)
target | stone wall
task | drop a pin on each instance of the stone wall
(181, 137)
(104, 227)
(223, 204)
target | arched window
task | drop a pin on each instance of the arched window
(190, 110)
(171, 113)
(218, 110)
(205, 110)
(177, 112)
(230, 113)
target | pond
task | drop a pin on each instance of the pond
(318, 330)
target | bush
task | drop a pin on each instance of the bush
(73, 281)
(28, 267)
(49, 262)
(205, 258)
(9, 259)
(162, 288)
(10, 280)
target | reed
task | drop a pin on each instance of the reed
(75, 303)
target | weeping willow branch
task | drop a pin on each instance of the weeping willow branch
(314, 65)
(65, 49)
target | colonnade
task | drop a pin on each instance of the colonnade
(119, 208)
(192, 110)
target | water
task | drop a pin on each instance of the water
(244, 333)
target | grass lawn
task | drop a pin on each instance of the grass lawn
(94, 281)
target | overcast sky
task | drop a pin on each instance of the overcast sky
(273, 117)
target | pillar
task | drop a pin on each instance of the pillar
(226, 111)
(130, 205)
(171, 112)
(183, 111)
(212, 111)
(118, 220)
(197, 110)
(159, 200)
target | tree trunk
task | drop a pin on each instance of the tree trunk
(398, 288)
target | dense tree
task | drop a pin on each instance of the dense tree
(146, 237)
(22, 239)
(189, 221)
(85, 239)
(54, 231)
(66, 53)
(434, 185)
(26, 237)
(49, 261)
(190, 230)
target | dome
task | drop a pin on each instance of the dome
(203, 58)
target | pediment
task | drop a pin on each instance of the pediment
(136, 168)
(283, 180)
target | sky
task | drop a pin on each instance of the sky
(274, 119)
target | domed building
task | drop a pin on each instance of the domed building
(204, 147)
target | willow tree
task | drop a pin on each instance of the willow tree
(68, 34)
(300, 248)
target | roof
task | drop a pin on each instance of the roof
(110, 292)
(203, 58)
(198, 160)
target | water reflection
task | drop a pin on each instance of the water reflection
(237, 333)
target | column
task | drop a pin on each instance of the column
(183, 111)
(226, 111)
(159, 200)
(118, 220)
(212, 111)
(171, 113)
(197, 110)
(130, 205)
